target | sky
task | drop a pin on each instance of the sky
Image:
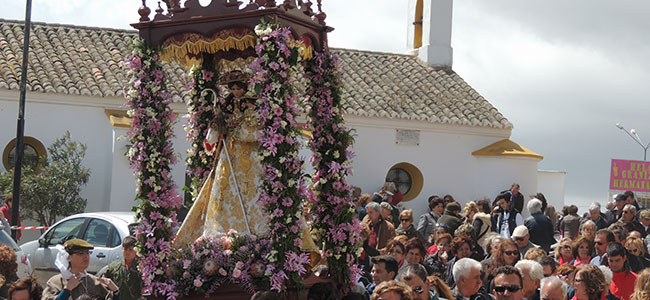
(563, 72)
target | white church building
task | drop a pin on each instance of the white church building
(416, 121)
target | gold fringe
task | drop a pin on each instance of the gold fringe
(180, 52)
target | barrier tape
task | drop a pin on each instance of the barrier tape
(29, 227)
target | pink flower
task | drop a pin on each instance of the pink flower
(223, 272)
(198, 282)
(236, 273)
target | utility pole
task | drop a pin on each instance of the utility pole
(20, 129)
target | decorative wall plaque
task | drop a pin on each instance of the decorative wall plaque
(407, 137)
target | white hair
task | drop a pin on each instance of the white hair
(534, 269)
(554, 281)
(534, 206)
(608, 274)
(594, 206)
(631, 207)
(373, 205)
(463, 266)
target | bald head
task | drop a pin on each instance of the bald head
(553, 288)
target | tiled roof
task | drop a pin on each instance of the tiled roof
(79, 60)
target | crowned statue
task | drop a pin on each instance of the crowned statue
(228, 198)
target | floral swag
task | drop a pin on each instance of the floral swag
(151, 156)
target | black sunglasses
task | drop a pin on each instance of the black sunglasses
(502, 289)
(511, 252)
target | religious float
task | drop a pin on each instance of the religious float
(257, 220)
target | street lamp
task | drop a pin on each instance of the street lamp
(632, 133)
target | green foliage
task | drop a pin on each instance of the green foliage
(55, 191)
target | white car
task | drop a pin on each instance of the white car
(24, 266)
(104, 230)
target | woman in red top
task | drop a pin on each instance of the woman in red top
(564, 252)
(583, 250)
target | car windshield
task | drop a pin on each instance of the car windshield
(6, 239)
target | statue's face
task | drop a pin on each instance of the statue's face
(237, 91)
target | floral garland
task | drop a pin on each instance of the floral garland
(335, 215)
(151, 156)
(283, 188)
(199, 115)
(212, 261)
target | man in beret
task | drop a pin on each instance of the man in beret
(77, 282)
(451, 217)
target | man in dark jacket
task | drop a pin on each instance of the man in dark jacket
(539, 226)
(505, 217)
(516, 197)
(450, 218)
(615, 213)
(628, 220)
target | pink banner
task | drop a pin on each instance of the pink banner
(630, 175)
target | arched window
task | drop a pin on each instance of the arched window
(33, 150)
(407, 178)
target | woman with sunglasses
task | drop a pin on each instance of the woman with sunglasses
(406, 226)
(564, 252)
(589, 283)
(415, 276)
(436, 263)
(583, 251)
(507, 254)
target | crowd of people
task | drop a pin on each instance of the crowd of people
(484, 250)
(488, 250)
(121, 281)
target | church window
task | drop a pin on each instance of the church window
(33, 150)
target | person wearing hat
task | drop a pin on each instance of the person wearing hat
(450, 217)
(76, 282)
(615, 213)
(522, 239)
(124, 272)
(390, 213)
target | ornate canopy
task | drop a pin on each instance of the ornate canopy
(227, 26)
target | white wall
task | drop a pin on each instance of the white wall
(444, 157)
(551, 184)
(47, 116)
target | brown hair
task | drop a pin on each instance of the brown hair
(458, 242)
(9, 198)
(559, 244)
(593, 279)
(28, 283)
(581, 240)
(395, 243)
(534, 253)
(407, 213)
(634, 241)
(415, 243)
(444, 236)
(642, 286)
(403, 290)
(8, 265)
(565, 270)
(364, 199)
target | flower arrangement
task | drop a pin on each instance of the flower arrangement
(212, 261)
(283, 188)
(151, 156)
(335, 216)
(199, 115)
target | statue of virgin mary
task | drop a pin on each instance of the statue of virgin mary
(228, 198)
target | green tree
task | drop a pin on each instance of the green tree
(55, 190)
